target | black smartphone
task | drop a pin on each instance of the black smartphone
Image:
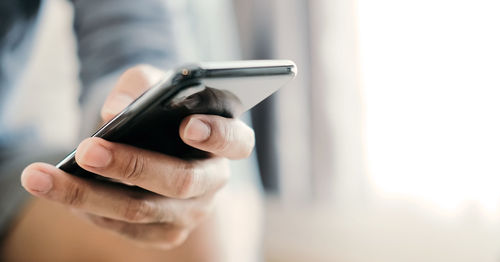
(220, 88)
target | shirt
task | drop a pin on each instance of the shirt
(111, 36)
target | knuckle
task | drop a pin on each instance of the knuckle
(186, 181)
(224, 140)
(138, 210)
(133, 168)
(136, 71)
(242, 141)
(75, 194)
(137, 76)
(143, 74)
(199, 214)
(131, 231)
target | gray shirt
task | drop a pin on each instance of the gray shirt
(111, 36)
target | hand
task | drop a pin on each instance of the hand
(175, 196)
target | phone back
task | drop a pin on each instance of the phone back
(152, 121)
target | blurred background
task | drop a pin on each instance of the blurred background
(386, 147)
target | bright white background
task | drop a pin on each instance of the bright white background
(428, 76)
(431, 79)
(405, 135)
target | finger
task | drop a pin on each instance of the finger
(112, 200)
(104, 199)
(179, 212)
(225, 137)
(164, 236)
(130, 85)
(159, 173)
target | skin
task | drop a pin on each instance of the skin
(170, 217)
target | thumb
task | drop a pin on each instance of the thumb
(130, 85)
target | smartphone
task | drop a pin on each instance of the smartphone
(218, 88)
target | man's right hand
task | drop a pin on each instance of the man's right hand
(178, 194)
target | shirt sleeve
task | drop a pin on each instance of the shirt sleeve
(113, 35)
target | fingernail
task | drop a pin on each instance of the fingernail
(117, 103)
(95, 155)
(37, 181)
(197, 130)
